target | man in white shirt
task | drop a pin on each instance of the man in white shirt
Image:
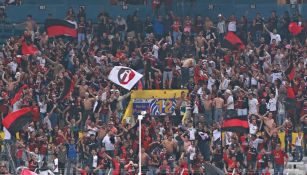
(56, 164)
(230, 108)
(192, 131)
(252, 104)
(109, 143)
(274, 35)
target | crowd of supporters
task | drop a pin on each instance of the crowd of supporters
(172, 52)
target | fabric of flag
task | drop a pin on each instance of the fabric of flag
(59, 27)
(16, 120)
(234, 40)
(27, 172)
(236, 124)
(295, 29)
(18, 94)
(290, 93)
(28, 49)
(124, 76)
(68, 88)
(290, 72)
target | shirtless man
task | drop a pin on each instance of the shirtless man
(144, 159)
(88, 104)
(208, 108)
(200, 41)
(170, 145)
(218, 104)
(269, 124)
(30, 24)
(82, 89)
(10, 83)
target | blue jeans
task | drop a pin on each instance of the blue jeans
(278, 169)
(176, 36)
(81, 37)
(208, 117)
(218, 115)
(258, 36)
(280, 119)
(71, 163)
(185, 75)
(298, 152)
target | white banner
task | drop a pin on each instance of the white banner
(124, 76)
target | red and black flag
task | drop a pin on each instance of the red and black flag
(69, 85)
(18, 94)
(236, 124)
(290, 72)
(59, 27)
(16, 120)
(234, 40)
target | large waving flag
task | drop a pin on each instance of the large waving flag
(69, 85)
(290, 72)
(234, 40)
(124, 76)
(18, 94)
(14, 121)
(236, 124)
(59, 27)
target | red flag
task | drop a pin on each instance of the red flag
(290, 72)
(27, 172)
(291, 93)
(234, 39)
(294, 28)
(28, 49)
(18, 94)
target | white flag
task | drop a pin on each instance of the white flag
(124, 76)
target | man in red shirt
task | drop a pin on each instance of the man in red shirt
(280, 159)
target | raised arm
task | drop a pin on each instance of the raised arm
(3, 78)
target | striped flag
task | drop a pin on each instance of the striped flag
(236, 124)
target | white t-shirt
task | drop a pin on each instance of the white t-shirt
(272, 105)
(276, 37)
(192, 133)
(192, 152)
(155, 50)
(230, 103)
(7, 134)
(56, 165)
(252, 104)
(253, 128)
(107, 143)
(275, 76)
(232, 26)
(42, 107)
(95, 161)
(216, 135)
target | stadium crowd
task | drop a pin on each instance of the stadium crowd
(85, 133)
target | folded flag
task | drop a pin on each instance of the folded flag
(236, 124)
(290, 72)
(124, 76)
(14, 121)
(68, 88)
(28, 49)
(294, 28)
(18, 94)
(234, 40)
(59, 27)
